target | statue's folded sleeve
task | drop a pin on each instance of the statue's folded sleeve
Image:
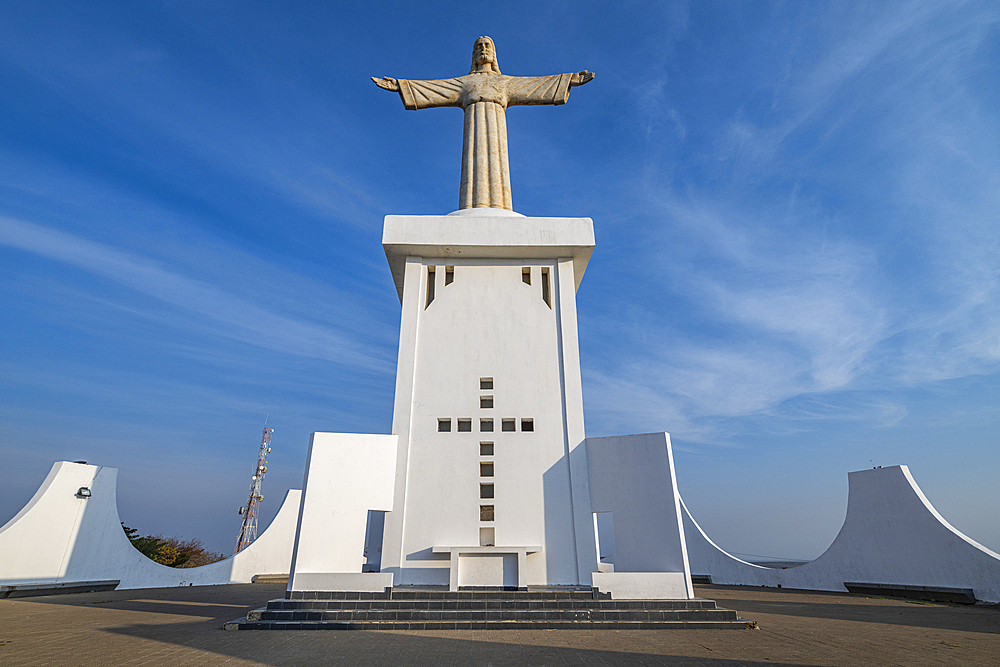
(552, 89)
(428, 94)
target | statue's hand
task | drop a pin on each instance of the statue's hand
(581, 78)
(388, 83)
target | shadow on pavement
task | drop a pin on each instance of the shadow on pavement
(754, 601)
(402, 648)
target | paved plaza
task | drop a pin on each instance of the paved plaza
(182, 626)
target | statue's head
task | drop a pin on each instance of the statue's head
(484, 56)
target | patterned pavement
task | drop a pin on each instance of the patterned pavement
(183, 626)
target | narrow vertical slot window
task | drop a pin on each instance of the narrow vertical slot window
(526, 425)
(449, 275)
(464, 425)
(526, 275)
(444, 425)
(545, 287)
(430, 285)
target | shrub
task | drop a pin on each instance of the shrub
(171, 551)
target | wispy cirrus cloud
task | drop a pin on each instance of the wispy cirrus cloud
(227, 314)
(777, 316)
(854, 247)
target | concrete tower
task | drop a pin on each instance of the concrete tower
(489, 406)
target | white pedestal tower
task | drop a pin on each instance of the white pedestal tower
(491, 482)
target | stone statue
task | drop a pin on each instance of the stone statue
(484, 94)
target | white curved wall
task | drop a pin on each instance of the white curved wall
(891, 535)
(59, 537)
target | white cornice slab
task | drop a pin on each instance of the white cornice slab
(486, 235)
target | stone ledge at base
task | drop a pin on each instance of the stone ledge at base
(340, 581)
(930, 593)
(57, 588)
(641, 585)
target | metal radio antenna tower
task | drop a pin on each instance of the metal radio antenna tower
(248, 531)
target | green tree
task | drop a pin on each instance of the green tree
(172, 551)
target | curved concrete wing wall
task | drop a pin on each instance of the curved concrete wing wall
(632, 477)
(892, 535)
(60, 536)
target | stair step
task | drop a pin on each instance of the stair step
(505, 605)
(527, 617)
(736, 624)
(448, 595)
(455, 616)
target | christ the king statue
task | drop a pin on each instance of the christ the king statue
(485, 93)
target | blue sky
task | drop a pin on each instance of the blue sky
(797, 211)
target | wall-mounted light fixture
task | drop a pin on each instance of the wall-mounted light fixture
(83, 492)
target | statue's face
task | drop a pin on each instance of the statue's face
(483, 51)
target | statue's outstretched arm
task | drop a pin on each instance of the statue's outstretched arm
(424, 94)
(553, 89)
(387, 83)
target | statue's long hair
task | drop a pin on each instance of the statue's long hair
(494, 67)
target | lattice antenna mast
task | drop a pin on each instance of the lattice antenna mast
(248, 531)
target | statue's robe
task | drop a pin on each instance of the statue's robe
(485, 96)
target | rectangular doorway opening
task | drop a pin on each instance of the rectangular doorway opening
(604, 531)
(373, 541)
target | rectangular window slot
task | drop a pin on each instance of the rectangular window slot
(449, 275)
(526, 425)
(508, 424)
(485, 469)
(444, 425)
(487, 537)
(486, 384)
(545, 287)
(486, 491)
(485, 402)
(465, 424)
(526, 275)
(430, 285)
(486, 425)
(486, 512)
(486, 449)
